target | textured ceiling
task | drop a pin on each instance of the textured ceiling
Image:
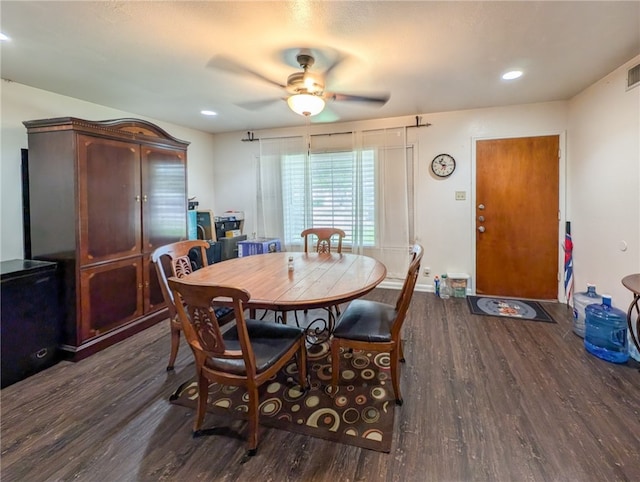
(152, 58)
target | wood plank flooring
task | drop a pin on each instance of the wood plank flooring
(486, 399)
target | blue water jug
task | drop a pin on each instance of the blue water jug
(606, 331)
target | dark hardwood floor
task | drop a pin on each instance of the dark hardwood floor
(486, 399)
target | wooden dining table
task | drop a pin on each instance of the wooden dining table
(317, 280)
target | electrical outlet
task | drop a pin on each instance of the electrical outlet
(461, 195)
(426, 271)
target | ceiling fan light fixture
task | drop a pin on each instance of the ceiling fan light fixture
(306, 104)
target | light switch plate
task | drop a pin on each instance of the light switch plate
(461, 195)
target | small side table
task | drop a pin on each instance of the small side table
(632, 283)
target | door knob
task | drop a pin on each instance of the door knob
(481, 219)
(480, 207)
(481, 229)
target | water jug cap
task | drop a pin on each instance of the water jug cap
(590, 285)
(606, 300)
(444, 275)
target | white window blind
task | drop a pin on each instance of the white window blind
(333, 189)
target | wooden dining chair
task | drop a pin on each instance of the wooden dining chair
(323, 237)
(371, 325)
(173, 260)
(247, 355)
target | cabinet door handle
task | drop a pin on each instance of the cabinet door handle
(137, 199)
(140, 286)
(144, 198)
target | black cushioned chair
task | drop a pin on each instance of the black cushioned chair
(247, 354)
(371, 325)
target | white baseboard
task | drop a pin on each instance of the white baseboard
(397, 285)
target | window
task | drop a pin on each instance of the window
(357, 181)
(330, 189)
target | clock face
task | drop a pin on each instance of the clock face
(443, 165)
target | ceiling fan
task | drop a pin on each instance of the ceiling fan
(306, 94)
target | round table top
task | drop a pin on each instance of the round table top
(317, 280)
(632, 282)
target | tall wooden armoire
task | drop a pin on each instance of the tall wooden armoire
(103, 196)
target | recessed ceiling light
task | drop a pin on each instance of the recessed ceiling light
(208, 112)
(512, 74)
(3, 37)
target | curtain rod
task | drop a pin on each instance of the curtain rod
(250, 135)
(418, 120)
(332, 134)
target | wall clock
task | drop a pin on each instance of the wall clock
(443, 165)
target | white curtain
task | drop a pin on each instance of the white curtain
(394, 160)
(270, 200)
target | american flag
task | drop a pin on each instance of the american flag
(568, 263)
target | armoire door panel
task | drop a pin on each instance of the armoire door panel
(153, 293)
(111, 296)
(164, 197)
(110, 199)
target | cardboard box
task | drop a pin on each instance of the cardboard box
(458, 283)
(258, 246)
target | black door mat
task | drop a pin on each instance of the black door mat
(508, 308)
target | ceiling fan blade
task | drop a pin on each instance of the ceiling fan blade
(257, 104)
(226, 64)
(327, 73)
(374, 99)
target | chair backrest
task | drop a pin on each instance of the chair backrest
(201, 326)
(324, 236)
(404, 299)
(173, 260)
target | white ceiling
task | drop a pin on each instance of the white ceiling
(151, 58)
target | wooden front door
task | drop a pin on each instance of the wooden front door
(516, 213)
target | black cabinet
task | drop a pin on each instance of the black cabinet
(213, 252)
(230, 246)
(30, 323)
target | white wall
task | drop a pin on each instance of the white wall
(602, 127)
(603, 185)
(20, 103)
(443, 225)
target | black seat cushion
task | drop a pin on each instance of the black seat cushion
(222, 311)
(365, 320)
(269, 342)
